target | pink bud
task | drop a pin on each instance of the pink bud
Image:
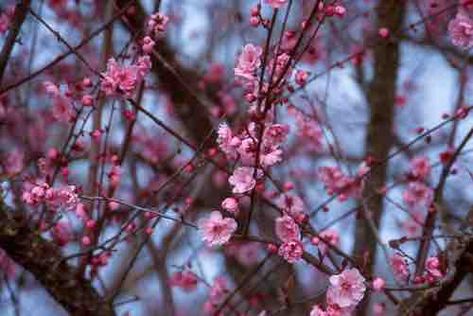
(86, 241)
(378, 284)
(87, 100)
(383, 32)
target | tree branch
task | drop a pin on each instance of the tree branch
(44, 261)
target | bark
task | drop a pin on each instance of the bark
(18, 18)
(430, 302)
(381, 98)
(44, 261)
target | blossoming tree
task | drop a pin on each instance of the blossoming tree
(289, 157)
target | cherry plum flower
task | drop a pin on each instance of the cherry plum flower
(62, 233)
(461, 31)
(157, 23)
(417, 194)
(227, 142)
(248, 61)
(291, 251)
(420, 167)
(185, 280)
(328, 238)
(433, 269)
(337, 183)
(230, 204)
(246, 253)
(65, 197)
(217, 294)
(291, 204)
(399, 266)
(346, 289)
(378, 284)
(121, 79)
(242, 180)
(4, 22)
(331, 310)
(286, 229)
(217, 230)
(13, 162)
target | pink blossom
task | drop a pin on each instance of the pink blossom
(383, 32)
(230, 204)
(336, 182)
(420, 167)
(246, 253)
(276, 3)
(13, 162)
(461, 31)
(270, 156)
(317, 311)
(275, 134)
(378, 284)
(248, 61)
(4, 22)
(217, 294)
(143, 65)
(51, 88)
(242, 180)
(115, 175)
(119, 79)
(308, 131)
(399, 266)
(329, 238)
(301, 77)
(379, 309)
(65, 197)
(148, 44)
(291, 204)
(62, 109)
(417, 194)
(217, 230)
(62, 233)
(281, 66)
(286, 228)
(291, 251)
(433, 268)
(157, 23)
(185, 280)
(227, 142)
(332, 310)
(346, 289)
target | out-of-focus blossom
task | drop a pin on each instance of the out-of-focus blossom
(276, 3)
(185, 280)
(399, 266)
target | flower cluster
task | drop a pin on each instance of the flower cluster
(65, 197)
(245, 145)
(337, 183)
(123, 80)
